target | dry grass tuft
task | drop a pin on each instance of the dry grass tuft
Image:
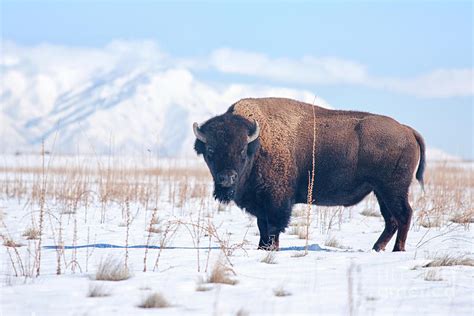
(98, 290)
(299, 254)
(449, 261)
(31, 233)
(112, 270)
(333, 242)
(8, 242)
(269, 258)
(221, 274)
(154, 300)
(370, 212)
(432, 275)
(280, 292)
(463, 218)
(156, 230)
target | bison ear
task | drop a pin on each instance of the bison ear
(199, 147)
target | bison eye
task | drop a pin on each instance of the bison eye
(210, 152)
(243, 154)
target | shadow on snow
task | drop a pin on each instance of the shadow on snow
(312, 247)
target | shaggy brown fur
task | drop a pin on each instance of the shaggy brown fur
(356, 153)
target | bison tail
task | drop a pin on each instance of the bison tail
(422, 163)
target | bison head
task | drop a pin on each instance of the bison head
(228, 143)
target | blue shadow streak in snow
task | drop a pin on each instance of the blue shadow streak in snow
(313, 247)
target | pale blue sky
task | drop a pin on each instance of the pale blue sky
(403, 39)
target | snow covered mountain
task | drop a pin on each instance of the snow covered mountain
(126, 98)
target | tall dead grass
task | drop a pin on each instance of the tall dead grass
(448, 196)
(54, 195)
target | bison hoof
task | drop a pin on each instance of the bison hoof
(269, 248)
(396, 249)
(274, 246)
(378, 248)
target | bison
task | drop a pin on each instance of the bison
(260, 154)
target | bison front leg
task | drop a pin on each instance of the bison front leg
(269, 235)
(262, 223)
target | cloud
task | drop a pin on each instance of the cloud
(439, 83)
(306, 70)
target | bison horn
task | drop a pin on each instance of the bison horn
(198, 133)
(254, 136)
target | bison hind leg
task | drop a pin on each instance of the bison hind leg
(391, 225)
(404, 220)
(397, 213)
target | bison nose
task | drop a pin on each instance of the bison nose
(227, 178)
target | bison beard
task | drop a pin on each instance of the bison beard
(266, 145)
(223, 195)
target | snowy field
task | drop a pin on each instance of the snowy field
(70, 221)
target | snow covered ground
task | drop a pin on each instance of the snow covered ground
(339, 275)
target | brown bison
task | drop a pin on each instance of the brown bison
(260, 154)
